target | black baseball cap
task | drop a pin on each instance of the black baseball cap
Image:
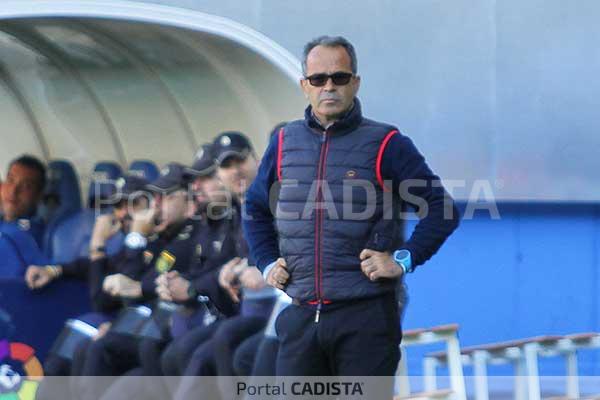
(129, 185)
(173, 177)
(204, 162)
(231, 143)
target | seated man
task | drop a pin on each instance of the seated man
(20, 232)
(160, 240)
(131, 197)
(236, 168)
(21, 193)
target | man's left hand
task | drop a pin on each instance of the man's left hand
(122, 286)
(375, 265)
(178, 286)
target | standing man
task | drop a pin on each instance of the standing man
(334, 247)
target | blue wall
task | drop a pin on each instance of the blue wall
(532, 272)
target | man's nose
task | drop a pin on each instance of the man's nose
(14, 190)
(329, 85)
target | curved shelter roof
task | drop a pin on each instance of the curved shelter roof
(90, 81)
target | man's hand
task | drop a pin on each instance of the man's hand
(102, 330)
(39, 276)
(178, 286)
(144, 222)
(122, 286)
(105, 227)
(228, 278)
(278, 275)
(252, 279)
(375, 265)
(162, 288)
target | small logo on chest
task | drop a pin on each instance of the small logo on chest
(351, 174)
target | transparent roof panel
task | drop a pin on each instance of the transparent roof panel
(80, 46)
(147, 41)
(16, 54)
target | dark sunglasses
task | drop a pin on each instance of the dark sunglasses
(338, 78)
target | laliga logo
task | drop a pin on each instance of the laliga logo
(19, 356)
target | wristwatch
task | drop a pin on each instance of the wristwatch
(403, 259)
(98, 249)
(192, 292)
(135, 240)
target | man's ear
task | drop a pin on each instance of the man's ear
(357, 83)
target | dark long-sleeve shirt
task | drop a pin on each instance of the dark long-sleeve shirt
(401, 161)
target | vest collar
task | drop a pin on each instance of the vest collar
(350, 121)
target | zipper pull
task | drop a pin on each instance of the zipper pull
(318, 313)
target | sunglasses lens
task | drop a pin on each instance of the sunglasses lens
(338, 78)
(341, 78)
(318, 79)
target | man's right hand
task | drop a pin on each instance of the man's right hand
(102, 330)
(105, 227)
(227, 278)
(278, 275)
(144, 222)
(38, 276)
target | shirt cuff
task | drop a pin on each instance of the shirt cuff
(268, 269)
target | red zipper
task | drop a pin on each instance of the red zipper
(319, 223)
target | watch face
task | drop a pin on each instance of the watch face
(134, 240)
(402, 255)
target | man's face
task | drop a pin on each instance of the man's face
(125, 209)
(237, 173)
(329, 102)
(208, 189)
(173, 207)
(21, 192)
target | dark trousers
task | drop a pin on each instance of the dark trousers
(354, 338)
(56, 365)
(256, 356)
(110, 356)
(243, 359)
(149, 354)
(177, 354)
(215, 357)
(265, 361)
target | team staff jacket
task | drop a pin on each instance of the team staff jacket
(318, 227)
(217, 242)
(18, 248)
(174, 249)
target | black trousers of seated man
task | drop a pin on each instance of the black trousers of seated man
(256, 356)
(110, 356)
(215, 358)
(352, 338)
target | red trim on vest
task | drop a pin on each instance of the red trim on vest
(380, 158)
(279, 153)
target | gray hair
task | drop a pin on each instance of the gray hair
(330, 41)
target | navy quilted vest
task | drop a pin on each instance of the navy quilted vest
(331, 206)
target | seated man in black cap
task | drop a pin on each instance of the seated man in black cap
(198, 290)
(161, 240)
(131, 197)
(236, 168)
